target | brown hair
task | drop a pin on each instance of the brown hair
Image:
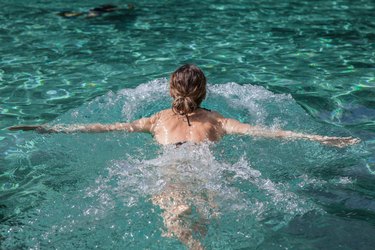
(188, 89)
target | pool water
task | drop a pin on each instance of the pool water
(306, 66)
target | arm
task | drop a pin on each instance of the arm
(232, 126)
(141, 125)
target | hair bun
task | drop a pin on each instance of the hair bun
(184, 105)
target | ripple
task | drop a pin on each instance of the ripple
(315, 55)
(57, 94)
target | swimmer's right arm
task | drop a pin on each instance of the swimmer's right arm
(141, 125)
(232, 126)
(88, 128)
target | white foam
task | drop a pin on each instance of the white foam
(194, 168)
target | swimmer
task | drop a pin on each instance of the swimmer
(100, 10)
(94, 12)
(187, 121)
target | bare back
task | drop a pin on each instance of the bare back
(169, 127)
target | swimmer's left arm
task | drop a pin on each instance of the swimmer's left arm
(232, 126)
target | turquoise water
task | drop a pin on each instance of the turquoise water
(301, 65)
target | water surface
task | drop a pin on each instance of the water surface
(300, 65)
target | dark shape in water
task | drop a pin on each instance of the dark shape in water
(37, 128)
(102, 9)
(94, 12)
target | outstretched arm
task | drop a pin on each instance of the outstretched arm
(141, 125)
(232, 126)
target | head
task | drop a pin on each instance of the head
(187, 88)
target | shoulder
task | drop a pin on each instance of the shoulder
(214, 117)
(159, 115)
(213, 114)
(164, 113)
(226, 123)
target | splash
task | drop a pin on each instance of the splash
(194, 169)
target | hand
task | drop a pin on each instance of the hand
(38, 128)
(339, 142)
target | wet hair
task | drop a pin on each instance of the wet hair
(188, 89)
